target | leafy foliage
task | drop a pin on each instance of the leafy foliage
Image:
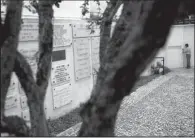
(57, 3)
(95, 18)
(85, 8)
(33, 5)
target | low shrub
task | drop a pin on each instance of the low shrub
(158, 69)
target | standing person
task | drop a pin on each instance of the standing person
(187, 53)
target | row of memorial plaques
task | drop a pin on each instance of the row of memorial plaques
(61, 86)
(184, 21)
(12, 100)
(83, 58)
(60, 79)
(61, 95)
(95, 53)
(63, 32)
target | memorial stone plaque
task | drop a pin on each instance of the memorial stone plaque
(82, 58)
(81, 30)
(29, 30)
(13, 113)
(96, 31)
(11, 102)
(31, 55)
(186, 21)
(26, 115)
(21, 91)
(94, 79)
(95, 54)
(178, 22)
(13, 86)
(62, 34)
(23, 102)
(60, 73)
(61, 95)
(192, 21)
(60, 79)
(10, 92)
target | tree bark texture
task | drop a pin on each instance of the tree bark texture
(105, 27)
(9, 43)
(139, 34)
(12, 59)
(33, 94)
(36, 90)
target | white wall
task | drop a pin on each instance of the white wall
(93, 7)
(68, 9)
(70, 13)
(80, 90)
(172, 52)
(179, 35)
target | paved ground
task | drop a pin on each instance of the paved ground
(163, 107)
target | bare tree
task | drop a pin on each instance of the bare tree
(9, 42)
(12, 60)
(138, 36)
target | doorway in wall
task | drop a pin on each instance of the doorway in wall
(174, 57)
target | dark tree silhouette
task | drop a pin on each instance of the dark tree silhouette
(138, 36)
(12, 60)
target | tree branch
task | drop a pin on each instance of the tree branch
(9, 45)
(149, 37)
(125, 24)
(14, 125)
(5, 72)
(105, 27)
(35, 91)
(12, 21)
(120, 73)
(25, 76)
(35, 4)
(34, 99)
(45, 44)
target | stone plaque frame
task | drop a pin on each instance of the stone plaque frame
(82, 58)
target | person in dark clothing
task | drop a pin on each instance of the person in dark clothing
(187, 52)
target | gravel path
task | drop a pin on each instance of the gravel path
(72, 118)
(163, 107)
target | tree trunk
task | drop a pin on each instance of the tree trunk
(9, 43)
(10, 57)
(105, 27)
(36, 91)
(124, 62)
(33, 94)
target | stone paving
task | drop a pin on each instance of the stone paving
(163, 107)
